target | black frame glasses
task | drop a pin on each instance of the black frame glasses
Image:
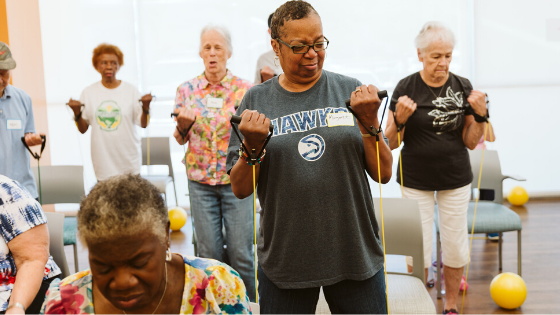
(325, 44)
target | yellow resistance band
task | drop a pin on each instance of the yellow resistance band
(400, 165)
(255, 232)
(382, 225)
(474, 216)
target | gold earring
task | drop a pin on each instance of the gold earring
(276, 58)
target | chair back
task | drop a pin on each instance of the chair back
(403, 231)
(61, 183)
(160, 153)
(55, 225)
(492, 176)
(255, 308)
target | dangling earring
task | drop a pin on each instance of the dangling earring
(276, 58)
(168, 254)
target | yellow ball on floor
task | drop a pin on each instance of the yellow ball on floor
(177, 218)
(508, 290)
(518, 196)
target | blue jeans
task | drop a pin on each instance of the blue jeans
(212, 205)
(345, 297)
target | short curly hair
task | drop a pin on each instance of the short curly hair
(291, 10)
(123, 205)
(107, 49)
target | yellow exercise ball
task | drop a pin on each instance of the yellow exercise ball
(518, 196)
(177, 218)
(508, 290)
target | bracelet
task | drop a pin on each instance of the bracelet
(78, 117)
(16, 304)
(243, 155)
(146, 111)
(366, 135)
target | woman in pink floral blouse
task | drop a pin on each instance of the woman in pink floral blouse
(205, 105)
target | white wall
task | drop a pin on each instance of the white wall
(504, 55)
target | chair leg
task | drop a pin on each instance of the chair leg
(500, 251)
(76, 267)
(519, 253)
(438, 267)
(175, 191)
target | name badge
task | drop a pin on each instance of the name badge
(214, 102)
(340, 119)
(13, 124)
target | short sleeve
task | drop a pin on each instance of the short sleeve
(226, 292)
(85, 110)
(395, 96)
(19, 211)
(179, 98)
(136, 106)
(30, 121)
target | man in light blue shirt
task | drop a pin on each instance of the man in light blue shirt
(16, 121)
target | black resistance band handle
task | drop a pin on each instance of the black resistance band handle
(33, 154)
(237, 119)
(380, 94)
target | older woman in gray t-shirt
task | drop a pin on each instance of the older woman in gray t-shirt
(318, 227)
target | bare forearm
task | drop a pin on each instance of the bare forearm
(474, 133)
(82, 125)
(385, 156)
(144, 120)
(28, 281)
(241, 177)
(391, 134)
(179, 137)
(385, 159)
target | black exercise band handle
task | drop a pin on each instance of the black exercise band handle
(33, 154)
(237, 120)
(380, 94)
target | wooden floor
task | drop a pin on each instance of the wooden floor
(541, 262)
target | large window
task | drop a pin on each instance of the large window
(369, 40)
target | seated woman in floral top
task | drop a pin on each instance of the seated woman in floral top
(125, 225)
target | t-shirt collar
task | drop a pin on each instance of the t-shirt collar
(7, 92)
(226, 81)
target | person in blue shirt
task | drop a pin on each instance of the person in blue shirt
(16, 121)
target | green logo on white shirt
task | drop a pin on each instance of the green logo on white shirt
(108, 116)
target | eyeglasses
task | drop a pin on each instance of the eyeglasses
(303, 49)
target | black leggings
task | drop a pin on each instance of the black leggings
(35, 306)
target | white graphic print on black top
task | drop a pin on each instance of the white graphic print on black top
(449, 111)
(434, 156)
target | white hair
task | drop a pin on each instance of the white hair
(433, 31)
(222, 31)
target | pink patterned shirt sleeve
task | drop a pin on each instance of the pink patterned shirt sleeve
(208, 138)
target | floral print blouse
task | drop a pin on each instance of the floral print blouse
(208, 138)
(211, 287)
(19, 213)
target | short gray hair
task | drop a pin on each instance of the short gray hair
(222, 31)
(431, 32)
(123, 205)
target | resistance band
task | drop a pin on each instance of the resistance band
(148, 138)
(399, 128)
(478, 118)
(184, 137)
(254, 159)
(488, 124)
(372, 131)
(37, 156)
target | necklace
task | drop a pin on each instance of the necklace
(437, 96)
(164, 289)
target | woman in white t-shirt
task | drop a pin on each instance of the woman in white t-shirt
(112, 108)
